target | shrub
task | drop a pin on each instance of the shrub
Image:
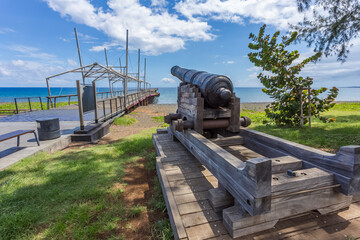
(282, 81)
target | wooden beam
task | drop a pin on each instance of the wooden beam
(228, 141)
(345, 164)
(249, 183)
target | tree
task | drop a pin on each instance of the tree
(282, 81)
(335, 23)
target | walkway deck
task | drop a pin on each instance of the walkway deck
(185, 183)
(62, 114)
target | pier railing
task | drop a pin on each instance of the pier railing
(51, 100)
(110, 107)
(107, 108)
(24, 102)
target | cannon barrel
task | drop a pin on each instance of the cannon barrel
(215, 89)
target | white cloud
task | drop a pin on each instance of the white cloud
(72, 62)
(6, 30)
(100, 48)
(167, 80)
(20, 72)
(228, 62)
(18, 62)
(153, 31)
(31, 52)
(31, 66)
(160, 3)
(275, 12)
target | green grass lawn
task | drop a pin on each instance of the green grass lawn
(34, 105)
(326, 136)
(160, 119)
(70, 195)
(125, 120)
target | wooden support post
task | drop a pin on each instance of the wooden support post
(29, 104)
(95, 102)
(41, 105)
(104, 110)
(111, 110)
(116, 105)
(80, 104)
(309, 102)
(127, 67)
(234, 106)
(301, 109)
(16, 106)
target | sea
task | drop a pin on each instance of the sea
(167, 95)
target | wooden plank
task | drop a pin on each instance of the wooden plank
(228, 141)
(345, 164)
(175, 175)
(190, 185)
(284, 207)
(284, 163)
(13, 134)
(193, 207)
(187, 106)
(205, 231)
(198, 116)
(201, 217)
(211, 113)
(235, 233)
(189, 95)
(191, 197)
(174, 215)
(179, 159)
(304, 179)
(249, 184)
(242, 152)
(234, 106)
(189, 101)
(182, 165)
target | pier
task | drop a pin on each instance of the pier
(90, 118)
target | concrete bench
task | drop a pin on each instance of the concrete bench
(17, 134)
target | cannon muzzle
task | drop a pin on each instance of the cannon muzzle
(215, 89)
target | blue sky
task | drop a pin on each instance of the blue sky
(37, 39)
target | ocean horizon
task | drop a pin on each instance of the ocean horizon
(167, 95)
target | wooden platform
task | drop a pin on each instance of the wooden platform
(185, 184)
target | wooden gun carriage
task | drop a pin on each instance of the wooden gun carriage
(261, 178)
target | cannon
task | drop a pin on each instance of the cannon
(206, 103)
(216, 89)
(256, 179)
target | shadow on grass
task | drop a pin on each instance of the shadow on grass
(67, 195)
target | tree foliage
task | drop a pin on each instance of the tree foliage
(282, 81)
(334, 24)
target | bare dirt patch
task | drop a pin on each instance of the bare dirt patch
(143, 115)
(138, 191)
